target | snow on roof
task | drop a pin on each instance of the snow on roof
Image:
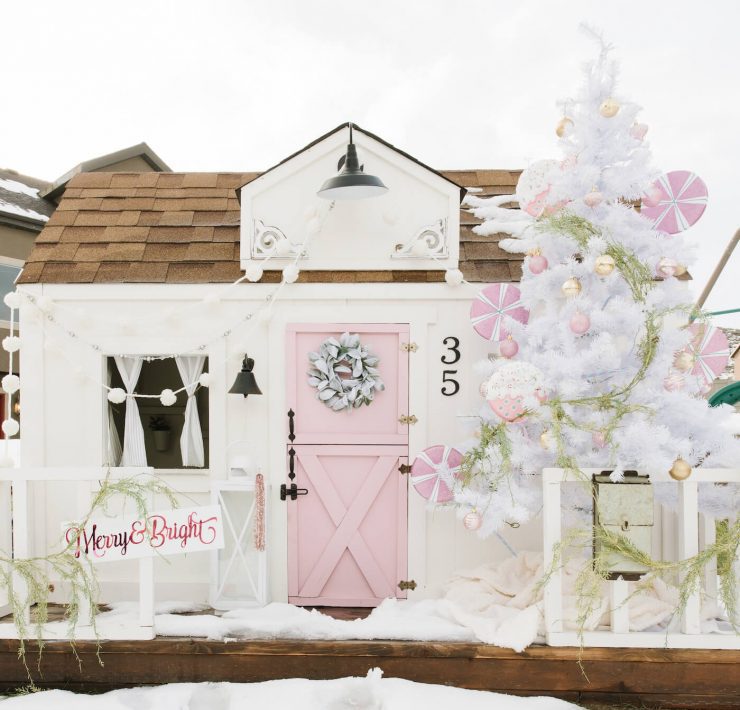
(19, 199)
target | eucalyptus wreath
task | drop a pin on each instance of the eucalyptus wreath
(344, 373)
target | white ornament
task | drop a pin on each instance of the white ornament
(12, 299)
(472, 521)
(167, 397)
(515, 379)
(314, 226)
(420, 248)
(11, 383)
(283, 247)
(205, 379)
(454, 277)
(254, 273)
(211, 300)
(290, 273)
(44, 303)
(11, 343)
(117, 395)
(10, 427)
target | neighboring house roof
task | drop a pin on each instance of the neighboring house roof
(21, 204)
(184, 228)
(140, 151)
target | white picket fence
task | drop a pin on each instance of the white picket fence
(690, 536)
(14, 483)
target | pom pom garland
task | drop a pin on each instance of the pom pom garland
(117, 395)
(205, 379)
(454, 277)
(290, 273)
(12, 300)
(11, 383)
(167, 397)
(10, 427)
(254, 272)
(11, 343)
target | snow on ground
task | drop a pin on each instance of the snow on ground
(370, 693)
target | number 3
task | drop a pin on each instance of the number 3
(454, 350)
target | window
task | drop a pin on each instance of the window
(9, 270)
(157, 442)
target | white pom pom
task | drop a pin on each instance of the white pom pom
(12, 299)
(283, 247)
(454, 277)
(310, 212)
(167, 397)
(7, 462)
(117, 395)
(11, 383)
(11, 427)
(45, 304)
(211, 300)
(254, 272)
(420, 248)
(290, 273)
(314, 226)
(11, 343)
(205, 379)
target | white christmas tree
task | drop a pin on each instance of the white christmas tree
(606, 371)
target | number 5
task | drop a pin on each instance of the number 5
(449, 380)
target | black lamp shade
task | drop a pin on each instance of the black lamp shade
(245, 382)
(352, 183)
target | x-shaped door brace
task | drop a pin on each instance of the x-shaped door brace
(347, 535)
(238, 550)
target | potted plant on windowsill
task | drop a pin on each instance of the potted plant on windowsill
(161, 432)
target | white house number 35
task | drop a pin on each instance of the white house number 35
(450, 385)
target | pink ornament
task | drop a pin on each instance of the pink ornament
(599, 439)
(537, 263)
(492, 306)
(431, 470)
(580, 323)
(593, 198)
(508, 408)
(667, 267)
(509, 347)
(638, 131)
(680, 199)
(472, 521)
(541, 395)
(673, 382)
(710, 350)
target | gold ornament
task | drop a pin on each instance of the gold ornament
(572, 287)
(609, 108)
(680, 470)
(546, 440)
(680, 270)
(604, 265)
(563, 125)
(683, 361)
(534, 252)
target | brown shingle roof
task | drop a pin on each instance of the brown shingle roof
(184, 228)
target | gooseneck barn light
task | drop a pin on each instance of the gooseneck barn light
(352, 183)
(245, 383)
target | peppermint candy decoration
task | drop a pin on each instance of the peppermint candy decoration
(492, 305)
(677, 200)
(710, 350)
(433, 470)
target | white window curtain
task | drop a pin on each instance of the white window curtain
(134, 451)
(191, 441)
(113, 440)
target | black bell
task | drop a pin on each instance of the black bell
(245, 383)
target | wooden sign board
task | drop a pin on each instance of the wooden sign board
(167, 532)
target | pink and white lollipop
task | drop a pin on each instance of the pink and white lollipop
(710, 350)
(431, 471)
(492, 305)
(676, 201)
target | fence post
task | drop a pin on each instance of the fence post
(688, 546)
(551, 531)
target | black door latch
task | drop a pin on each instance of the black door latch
(292, 490)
